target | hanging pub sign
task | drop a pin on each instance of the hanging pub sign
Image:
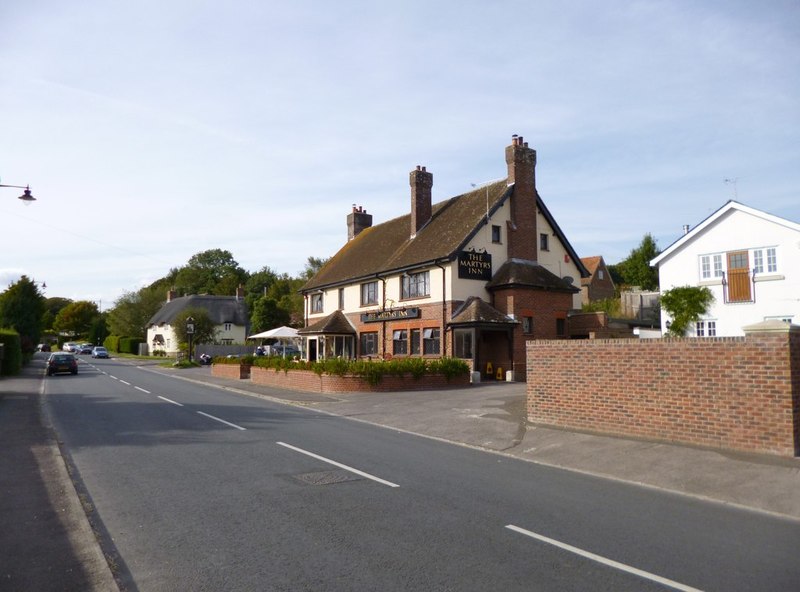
(474, 266)
(390, 315)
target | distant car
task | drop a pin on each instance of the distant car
(99, 352)
(43, 347)
(59, 362)
(84, 348)
(69, 346)
(288, 350)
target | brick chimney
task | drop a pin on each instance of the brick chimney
(171, 295)
(421, 182)
(357, 221)
(240, 292)
(523, 238)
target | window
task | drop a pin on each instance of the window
(430, 341)
(527, 325)
(369, 344)
(415, 285)
(316, 302)
(495, 234)
(601, 274)
(341, 298)
(227, 326)
(369, 293)
(706, 270)
(400, 342)
(463, 343)
(544, 242)
(771, 260)
(705, 329)
(415, 341)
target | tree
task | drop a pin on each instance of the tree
(266, 314)
(52, 307)
(204, 329)
(133, 310)
(313, 265)
(210, 272)
(685, 305)
(22, 307)
(77, 318)
(635, 270)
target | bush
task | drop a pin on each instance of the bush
(248, 359)
(111, 343)
(129, 345)
(12, 352)
(370, 371)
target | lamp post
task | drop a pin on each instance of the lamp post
(190, 334)
(26, 196)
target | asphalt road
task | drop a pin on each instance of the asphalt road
(197, 489)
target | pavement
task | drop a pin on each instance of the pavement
(47, 534)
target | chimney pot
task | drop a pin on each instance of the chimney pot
(421, 182)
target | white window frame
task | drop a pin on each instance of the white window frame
(317, 303)
(415, 285)
(369, 293)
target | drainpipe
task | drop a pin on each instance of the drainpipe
(444, 310)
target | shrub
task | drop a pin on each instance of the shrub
(248, 359)
(111, 343)
(12, 352)
(129, 345)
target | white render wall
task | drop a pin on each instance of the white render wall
(776, 294)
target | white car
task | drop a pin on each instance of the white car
(99, 352)
(69, 346)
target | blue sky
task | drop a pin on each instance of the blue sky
(150, 131)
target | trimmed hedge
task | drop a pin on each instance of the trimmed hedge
(371, 371)
(129, 345)
(12, 352)
(111, 343)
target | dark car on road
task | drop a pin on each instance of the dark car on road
(61, 362)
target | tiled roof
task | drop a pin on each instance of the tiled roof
(335, 323)
(590, 263)
(519, 273)
(221, 309)
(475, 311)
(389, 247)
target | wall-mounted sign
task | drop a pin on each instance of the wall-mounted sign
(390, 315)
(474, 266)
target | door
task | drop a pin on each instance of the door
(738, 277)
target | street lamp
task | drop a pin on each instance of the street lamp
(26, 196)
(189, 334)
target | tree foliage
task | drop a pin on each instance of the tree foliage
(635, 270)
(22, 307)
(133, 310)
(77, 318)
(685, 305)
(267, 314)
(210, 272)
(204, 329)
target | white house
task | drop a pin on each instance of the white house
(228, 313)
(748, 258)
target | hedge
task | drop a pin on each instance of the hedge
(12, 352)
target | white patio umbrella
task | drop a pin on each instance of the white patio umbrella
(282, 334)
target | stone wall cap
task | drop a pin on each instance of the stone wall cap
(774, 326)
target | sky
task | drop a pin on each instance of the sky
(150, 131)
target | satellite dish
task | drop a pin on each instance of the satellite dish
(569, 279)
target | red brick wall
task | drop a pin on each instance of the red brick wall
(740, 393)
(305, 380)
(234, 371)
(544, 306)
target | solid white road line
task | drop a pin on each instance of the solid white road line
(233, 425)
(138, 388)
(170, 401)
(336, 464)
(604, 560)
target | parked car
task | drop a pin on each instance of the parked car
(43, 347)
(84, 348)
(62, 362)
(99, 352)
(69, 346)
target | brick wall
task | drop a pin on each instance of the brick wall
(740, 393)
(305, 380)
(234, 371)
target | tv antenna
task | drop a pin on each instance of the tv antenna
(735, 183)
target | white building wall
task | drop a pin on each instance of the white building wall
(776, 294)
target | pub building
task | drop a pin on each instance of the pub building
(473, 277)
